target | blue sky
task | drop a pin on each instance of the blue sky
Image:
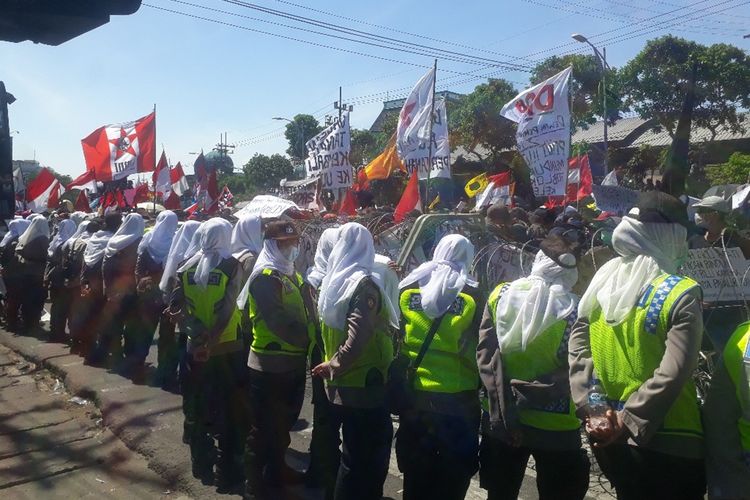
(206, 78)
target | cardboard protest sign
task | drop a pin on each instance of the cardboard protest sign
(543, 135)
(266, 206)
(614, 198)
(709, 267)
(328, 155)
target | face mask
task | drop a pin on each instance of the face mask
(291, 253)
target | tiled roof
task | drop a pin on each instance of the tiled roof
(723, 133)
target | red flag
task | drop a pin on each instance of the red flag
(43, 192)
(211, 201)
(409, 200)
(199, 169)
(141, 194)
(586, 180)
(349, 205)
(192, 209)
(82, 202)
(178, 180)
(579, 182)
(161, 177)
(116, 151)
(172, 202)
(86, 181)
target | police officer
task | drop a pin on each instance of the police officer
(53, 279)
(72, 262)
(726, 416)
(634, 349)
(522, 356)
(206, 292)
(281, 331)
(438, 438)
(355, 315)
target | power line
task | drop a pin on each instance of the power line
(644, 9)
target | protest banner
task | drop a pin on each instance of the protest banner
(304, 193)
(418, 157)
(328, 155)
(711, 268)
(266, 206)
(543, 135)
(614, 199)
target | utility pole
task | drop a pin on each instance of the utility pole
(7, 192)
(341, 106)
(224, 149)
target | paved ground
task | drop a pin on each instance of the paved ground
(147, 420)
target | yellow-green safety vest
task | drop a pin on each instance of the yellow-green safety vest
(202, 302)
(737, 362)
(625, 356)
(546, 353)
(448, 366)
(376, 355)
(264, 340)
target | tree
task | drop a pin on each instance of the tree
(365, 147)
(655, 83)
(265, 172)
(734, 171)
(585, 86)
(476, 122)
(298, 132)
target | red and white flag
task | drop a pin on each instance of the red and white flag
(161, 177)
(43, 192)
(211, 194)
(414, 121)
(85, 182)
(179, 181)
(409, 200)
(225, 198)
(498, 189)
(579, 182)
(115, 151)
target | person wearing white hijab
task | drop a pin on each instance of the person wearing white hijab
(31, 257)
(120, 313)
(152, 252)
(11, 271)
(281, 332)
(355, 314)
(522, 359)
(326, 242)
(53, 278)
(247, 242)
(206, 291)
(442, 425)
(635, 347)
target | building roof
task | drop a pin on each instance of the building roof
(697, 134)
(624, 129)
(394, 106)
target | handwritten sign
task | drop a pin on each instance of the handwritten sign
(266, 206)
(419, 156)
(709, 267)
(614, 198)
(543, 134)
(328, 155)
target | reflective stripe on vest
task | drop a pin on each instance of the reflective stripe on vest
(625, 356)
(264, 340)
(450, 364)
(736, 358)
(545, 354)
(202, 303)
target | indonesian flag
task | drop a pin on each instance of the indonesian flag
(178, 180)
(161, 177)
(409, 200)
(211, 195)
(172, 202)
(579, 182)
(414, 121)
(498, 189)
(18, 181)
(225, 198)
(43, 192)
(115, 151)
(85, 182)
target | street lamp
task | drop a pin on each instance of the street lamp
(601, 57)
(300, 133)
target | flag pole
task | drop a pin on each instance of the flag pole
(429, 139)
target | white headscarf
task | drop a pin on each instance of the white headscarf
(81, 232)
(268, 258)
(39, 228)
(382, 273)
(130, 231)
(214, 247)
(441, 279)
(195, 242)
(247, 236)
(351, 260)
(31, 217)
(176, 255)
(16, 227)
(157, 241)
(95, 247)
(531, 305)
(78, 217)
(317, 271)
(646, 250)
(65, 230)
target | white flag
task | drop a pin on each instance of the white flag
(543, 135)
(439, 159)
(18, 181)
(610, 179)
(414, 120)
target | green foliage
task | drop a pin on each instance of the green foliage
(301, 130)
(734, 171)
(654, 82)
(264, 172)
(365, 147)
(475, 120)
(645, 159)
(585, 86)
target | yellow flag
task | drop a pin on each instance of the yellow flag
(476, 185)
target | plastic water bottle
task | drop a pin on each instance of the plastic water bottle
(598, 407)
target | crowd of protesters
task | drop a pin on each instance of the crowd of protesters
(602, 336)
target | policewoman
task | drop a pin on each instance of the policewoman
(438, 437)
(355, 316)
(281, 332)
(206, 293)
(523, 361)
(636, 345)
